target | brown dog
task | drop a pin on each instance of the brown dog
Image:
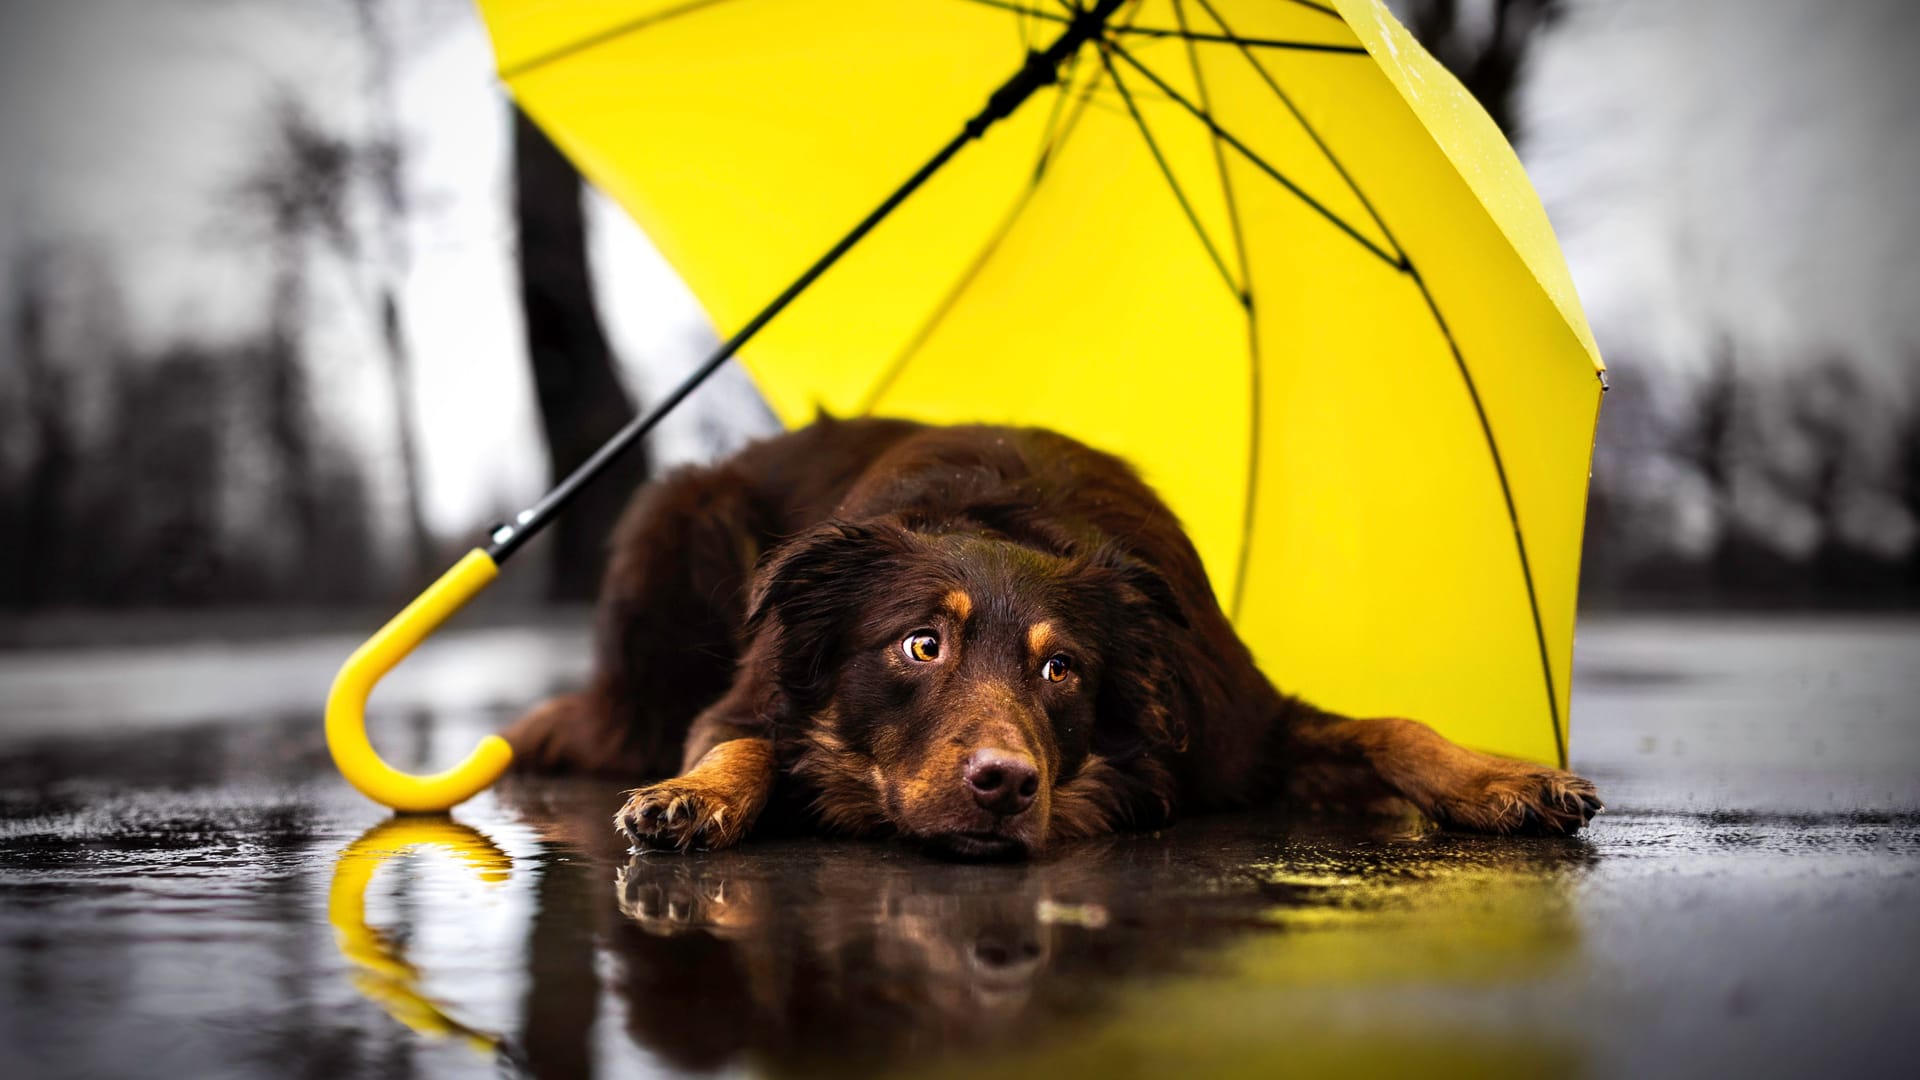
(978, 638)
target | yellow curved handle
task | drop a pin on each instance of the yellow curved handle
(347, 702)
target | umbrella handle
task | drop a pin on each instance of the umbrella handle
(347, 739)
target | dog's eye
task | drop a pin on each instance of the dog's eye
(921, 646)
(1056, 669)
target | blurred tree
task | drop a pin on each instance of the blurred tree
(35, 533)
(582, 402)
(1707, 443)
(1483, 42)
(1909, 465)
(300, 189)
(123, 464)
(384, 163)
(166, 437)
(304, 190)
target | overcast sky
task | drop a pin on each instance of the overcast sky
(1714, 167)
(1747, 167)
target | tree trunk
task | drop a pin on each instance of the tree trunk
(289, 428)
(400, 373)
(582, 402)
(389, 263)
(32, 573)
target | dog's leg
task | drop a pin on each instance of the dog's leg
(726, 780)
(563, 734)
(711, 806)
(1334, 760)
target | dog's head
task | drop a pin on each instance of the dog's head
(967, 691)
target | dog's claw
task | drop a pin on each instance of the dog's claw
(676, 816)
(1522, 801)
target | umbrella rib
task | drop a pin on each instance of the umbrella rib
(1166, 170)
(1219, 158)
(1054, 131)
(1049, 148)
(1312, 133)
(1251, 497)
(1183, 33)
(601, 38)
(1258, 43)
(1513, 510)
(1397, 262)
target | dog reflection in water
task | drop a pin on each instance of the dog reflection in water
(843, 960)
(848, 957)
(840, 956)
(852, 962)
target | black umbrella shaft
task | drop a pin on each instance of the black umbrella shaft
(1040, 70)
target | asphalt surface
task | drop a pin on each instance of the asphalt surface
(187, 889)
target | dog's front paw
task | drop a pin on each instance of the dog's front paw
(1524, 800)
(681, 815)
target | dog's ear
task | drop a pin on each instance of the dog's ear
(807, 590)
(810, 575)
(1139, 705)
(1139, 589)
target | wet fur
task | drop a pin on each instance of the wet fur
(748, 605)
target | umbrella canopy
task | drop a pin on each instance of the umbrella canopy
(1267, 250)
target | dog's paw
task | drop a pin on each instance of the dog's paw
(1523, 800)
(682, 815)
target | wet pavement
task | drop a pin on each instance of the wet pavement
(187, 889)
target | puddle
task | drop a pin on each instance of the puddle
(205, 898)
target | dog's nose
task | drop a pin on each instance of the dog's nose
(1002, 781)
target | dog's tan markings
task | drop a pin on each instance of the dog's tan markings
(712, 806)
(848, 795)
(958, 604)
(1039, 639)
(925, 784)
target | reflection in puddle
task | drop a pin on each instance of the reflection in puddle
(381, 972)
(1227, 942)
(1235, 943)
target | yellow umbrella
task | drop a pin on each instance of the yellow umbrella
(1267, 250)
